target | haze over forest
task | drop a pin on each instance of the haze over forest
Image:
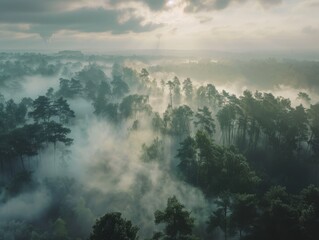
(159, 120)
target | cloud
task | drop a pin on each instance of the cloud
(154, 5)
(44, 21)
(193, 6)
(24, 6)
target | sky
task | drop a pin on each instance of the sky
(219, 25)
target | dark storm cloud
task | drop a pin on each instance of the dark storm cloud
(48, 17)
(209, 5)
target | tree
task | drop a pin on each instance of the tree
(158, 123)
(212, 95)
(178, 120)
(221, 216)
(120, 88)
(171, 86)
(64, 89)
(244, 213)
(93, 73)
(187, 154)
(279, 216)
(113, 227)
(117, 71)
(42, 109)
(177, 89)
(23, 142)
(179, 223)
(103, 97)
(226, 118)
(201, 95)
(213, 168)
(188, 89)
(298, 128)
(55, 132)
(131, 77)
(76, 88)
(133, 104)
(91, 76)
(235, 174)
(204, 121)
(309, 216)
(313, 115)
(111, 112)
(63, 110)
(154, 152)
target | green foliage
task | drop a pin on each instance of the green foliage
(244, 212)
(154, 152)
(177, 121)
(226, 118)
(208, 96)
(214, 169)
(177, 90)
(63, 110)
(267, 142)
(134, 104)
(309, 212)
(204, 121)
(120, 88)
(188, 89)
(112, 226)
(279, 219)
(68, 89)
(313, 114)
(55, 132)
(43, 109)
(158, 124)
(179, 223)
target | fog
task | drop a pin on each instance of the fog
(105, 168)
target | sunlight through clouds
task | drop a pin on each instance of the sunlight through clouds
(182, 24)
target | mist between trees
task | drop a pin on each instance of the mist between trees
(106, 147)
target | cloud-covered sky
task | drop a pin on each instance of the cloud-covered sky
(226, 25)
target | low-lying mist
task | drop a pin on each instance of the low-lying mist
(121, 150)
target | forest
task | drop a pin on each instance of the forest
(158, 147)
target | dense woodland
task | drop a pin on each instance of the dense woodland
(172, 157)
